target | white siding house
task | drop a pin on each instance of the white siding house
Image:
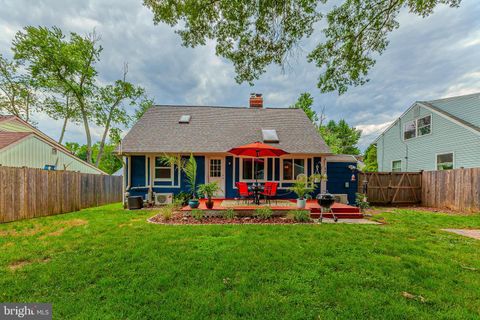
(22, 145)
(433, 135)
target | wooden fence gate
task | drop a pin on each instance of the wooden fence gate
(387, 188)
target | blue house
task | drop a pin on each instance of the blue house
(209, 132)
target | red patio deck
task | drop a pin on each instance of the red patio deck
(341, 211)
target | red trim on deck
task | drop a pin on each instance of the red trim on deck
(340, 210)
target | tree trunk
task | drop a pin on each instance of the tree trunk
(64, 127)
(87, 131)
(104, 137)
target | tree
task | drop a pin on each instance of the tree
(255, 34)
(305, 102)
(17, 95)
(340, 137)
(143, 106)
(62, 108)
(110, 107)
(62, 65)
(109, 162)
(370, 159)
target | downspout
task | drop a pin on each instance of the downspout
(383, 152)
(401, 139)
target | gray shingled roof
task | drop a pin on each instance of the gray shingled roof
(218, 129)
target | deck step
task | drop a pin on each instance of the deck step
(339, 215)
(339, 210)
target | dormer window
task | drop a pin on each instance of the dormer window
(184, 118)
(424, 125)
(410, 130)
(417, 128)
(270, 135)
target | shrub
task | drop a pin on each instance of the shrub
(229, 213)
(264, 212)
(167, 212)
(182, 198)
(301, 215)
(361, 201)
(197, 214)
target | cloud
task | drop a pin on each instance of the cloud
(428, 58)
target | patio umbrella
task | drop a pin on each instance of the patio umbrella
(257, 150)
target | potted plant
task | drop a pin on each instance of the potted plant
(301, 188)
(208, 190)
(190, 169)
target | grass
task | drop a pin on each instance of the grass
(109, 263)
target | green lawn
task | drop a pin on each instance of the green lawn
(107, 263)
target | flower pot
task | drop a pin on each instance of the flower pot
(193, 203)
(209, 204)
(301, 203)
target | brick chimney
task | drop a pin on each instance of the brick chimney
(256, 100)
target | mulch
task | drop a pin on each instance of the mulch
(179, 218)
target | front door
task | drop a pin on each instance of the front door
(216, 173)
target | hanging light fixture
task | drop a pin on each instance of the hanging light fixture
(353, 178)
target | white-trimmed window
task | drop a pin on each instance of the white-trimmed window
(445, 161)
(163, 172)
(424, 125)
(248, 168)
(397, 166)
(410, 130)
(292, 168)
(215, 168)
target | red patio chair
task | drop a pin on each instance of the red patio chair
(242, 191)
(269, 191)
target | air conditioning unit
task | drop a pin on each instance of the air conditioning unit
(163, 198)
(341, 198)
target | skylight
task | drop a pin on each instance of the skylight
(270, 135)
(184, 119)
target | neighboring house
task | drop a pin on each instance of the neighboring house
(433, 135)
(22, 145)
(209, 132)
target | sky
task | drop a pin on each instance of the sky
(428, 58)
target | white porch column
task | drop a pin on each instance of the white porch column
(124, 179)
(323, 171)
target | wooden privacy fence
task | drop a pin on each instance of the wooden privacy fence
(384, 188)
(28, 193)
(457, 189)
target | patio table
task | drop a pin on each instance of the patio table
(256, 189)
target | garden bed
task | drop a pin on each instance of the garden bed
(184, 219)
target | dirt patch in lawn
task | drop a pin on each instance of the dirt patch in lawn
(180, 218)
(37, 228)
(19, 264)
(21, 233)
(65, 225)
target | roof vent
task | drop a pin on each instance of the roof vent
(270, 135)
(184, 118)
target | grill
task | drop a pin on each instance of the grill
(326, 200)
